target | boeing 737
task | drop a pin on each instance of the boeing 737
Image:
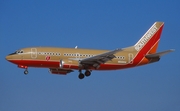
(65, 60)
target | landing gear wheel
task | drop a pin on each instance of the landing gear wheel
(26, 72)
(81, 76)
(87, 73)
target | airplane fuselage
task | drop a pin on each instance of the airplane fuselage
(49, 57)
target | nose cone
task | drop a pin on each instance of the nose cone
(8, 57)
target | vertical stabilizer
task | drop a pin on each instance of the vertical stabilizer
(149, 41)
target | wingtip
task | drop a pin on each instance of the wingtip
(172, 50)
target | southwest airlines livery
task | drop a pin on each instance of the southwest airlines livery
(65, 60)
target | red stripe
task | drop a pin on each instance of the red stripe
(55, 64)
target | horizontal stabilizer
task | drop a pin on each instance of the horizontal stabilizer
(159, 54)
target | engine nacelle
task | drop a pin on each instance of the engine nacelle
(64, 64)
(61, 63)
(155, 59)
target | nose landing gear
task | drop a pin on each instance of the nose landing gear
(24, 67)
(26, 72)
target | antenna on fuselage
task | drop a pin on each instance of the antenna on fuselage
(76, 47)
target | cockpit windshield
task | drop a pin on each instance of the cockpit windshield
(17, 52)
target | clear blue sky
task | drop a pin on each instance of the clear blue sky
(96, 24)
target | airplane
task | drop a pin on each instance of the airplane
(65, 60)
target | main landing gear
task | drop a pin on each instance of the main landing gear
(26, 72)
(81, 75)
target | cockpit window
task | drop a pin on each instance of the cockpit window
(17, 52)
(20, 51)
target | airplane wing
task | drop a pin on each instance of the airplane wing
(95, 61)
(60, 71)
(159, 54)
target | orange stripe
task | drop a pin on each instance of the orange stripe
(153, 50)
